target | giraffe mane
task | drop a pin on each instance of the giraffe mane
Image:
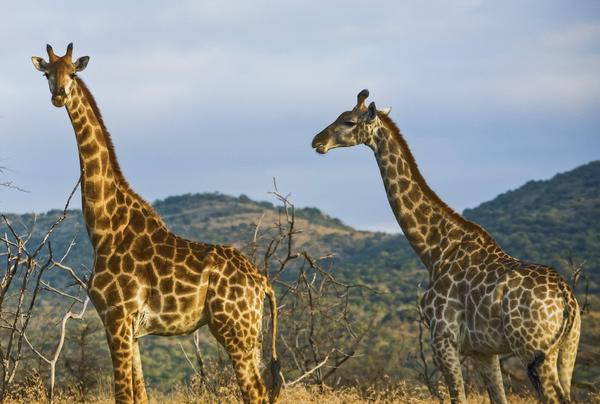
(122, 182)
(109, 143)
(410, 159)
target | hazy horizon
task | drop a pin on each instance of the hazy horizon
(393, 227)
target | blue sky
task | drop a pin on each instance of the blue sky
(205, 96)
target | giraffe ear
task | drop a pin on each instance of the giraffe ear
(386, 111)
(371, 112)
(39, 63)
(81, 63)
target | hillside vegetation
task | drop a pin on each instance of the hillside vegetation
(545, 221)
(542, 221)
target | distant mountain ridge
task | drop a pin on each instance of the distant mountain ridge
(541, 221)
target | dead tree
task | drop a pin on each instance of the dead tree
(24, 262)
(320, 329)
(579, 275)
(51, 361)
(319, 325)
(83, 361)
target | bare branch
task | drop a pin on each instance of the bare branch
(314, 369)
(59, 346)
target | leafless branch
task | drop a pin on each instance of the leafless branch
(59, 346)
(308, 373)
(319, 331)
(30, 264)
(578, 274)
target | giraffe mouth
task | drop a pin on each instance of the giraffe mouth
(320, 143)
(59, 101)
(321, 149)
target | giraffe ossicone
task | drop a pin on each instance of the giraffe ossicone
(480, 301)
(147, 280)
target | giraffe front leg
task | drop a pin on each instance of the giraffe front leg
(139, 389)
(119, 334)
(488, 367)
(446, 355)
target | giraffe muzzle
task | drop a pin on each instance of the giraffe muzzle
(59, 101)
(59, 98)
(319, 145)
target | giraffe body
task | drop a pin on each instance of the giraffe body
(147, 280)
(480, 301)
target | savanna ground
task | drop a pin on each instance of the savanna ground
(35, 392)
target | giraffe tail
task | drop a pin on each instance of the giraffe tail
(275, 366)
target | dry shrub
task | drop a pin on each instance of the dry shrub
(30, 390)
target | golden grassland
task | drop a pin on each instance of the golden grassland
(34, 391)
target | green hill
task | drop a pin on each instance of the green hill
(545, 221)
(542, 221)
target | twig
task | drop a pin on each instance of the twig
(314, 369)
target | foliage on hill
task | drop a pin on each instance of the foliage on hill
(545, 221)
(541, 221)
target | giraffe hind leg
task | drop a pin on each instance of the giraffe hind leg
(544, 371)
(533, 374)
(244, 360)
(240, 336)
(567, 354)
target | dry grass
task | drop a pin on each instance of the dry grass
(34, 392)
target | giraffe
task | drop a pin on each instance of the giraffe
(480, 301)
(147, 280)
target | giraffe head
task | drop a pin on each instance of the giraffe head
(60, 72)
(351, 127)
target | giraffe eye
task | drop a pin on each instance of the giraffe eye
(349, 123)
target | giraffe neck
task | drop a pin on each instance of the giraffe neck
(106, 195)
(433, 229)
